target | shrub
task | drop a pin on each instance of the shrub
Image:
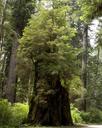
(19, 113)
(93, 116)
(76, 115)
(85, 116)
(5, 112)
(12, 115)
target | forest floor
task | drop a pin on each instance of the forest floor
(80, 126)
(93, 126)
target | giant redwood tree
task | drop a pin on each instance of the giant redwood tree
(46, 43)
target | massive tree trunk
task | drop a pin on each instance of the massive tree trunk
(50, 106)
(10, 88)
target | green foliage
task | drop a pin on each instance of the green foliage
(76, 115)
(94, 88)
(5, 112)
(12, 115)
(22, 10)
(19, 113)
(86, 10)
(47, 39)
(90, 9)
(85, 116)
(76, 86)
(93, 116)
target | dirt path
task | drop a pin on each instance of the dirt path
(93, 126)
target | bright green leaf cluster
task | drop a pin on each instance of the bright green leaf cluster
(47, 39)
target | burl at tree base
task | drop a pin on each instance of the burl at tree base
(50, 106)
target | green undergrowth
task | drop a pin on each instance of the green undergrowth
(94, 116)
(76, 115)
(12, 116)
(6, 126)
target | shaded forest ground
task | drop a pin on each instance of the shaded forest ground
(77, 126)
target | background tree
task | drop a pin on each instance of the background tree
(20, 16)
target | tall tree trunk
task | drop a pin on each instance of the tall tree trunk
(84, 63)
(50, 106)
(2, 82)
(2, 21)
(11, 79)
